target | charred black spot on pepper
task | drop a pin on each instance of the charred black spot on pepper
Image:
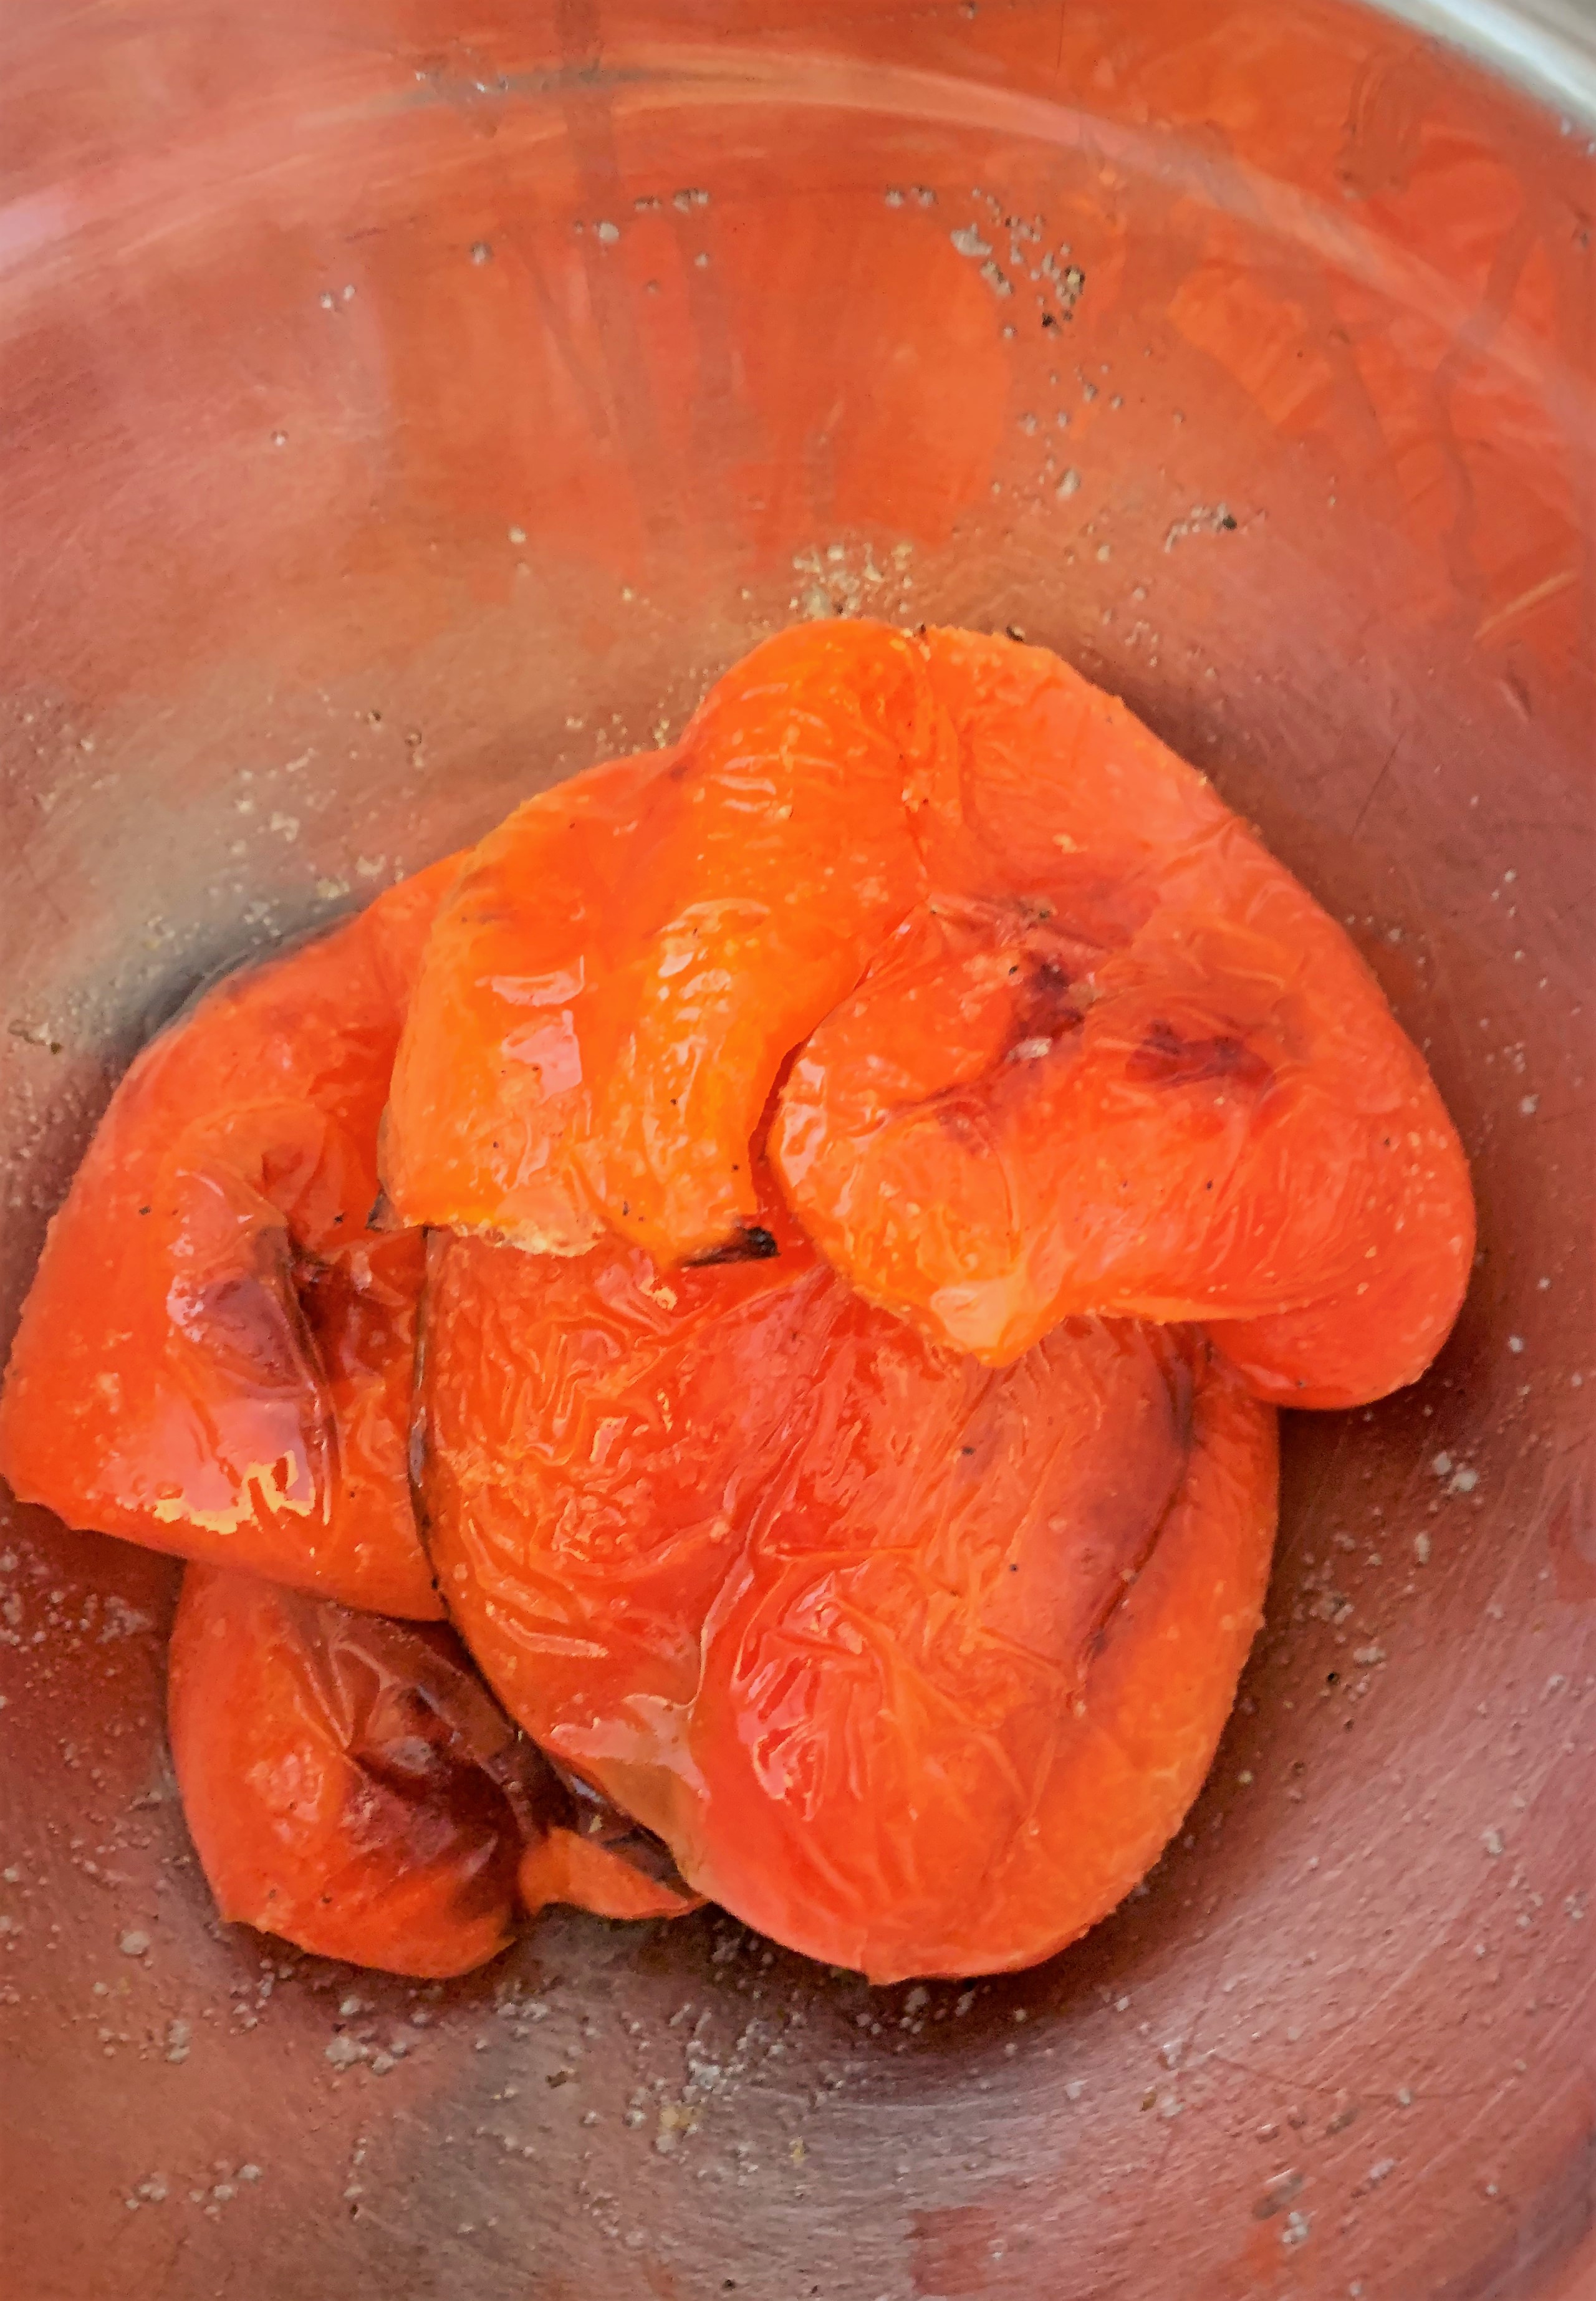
(1043, 1007)
(753, 1245)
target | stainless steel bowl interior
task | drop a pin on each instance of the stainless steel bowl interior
(406, 405)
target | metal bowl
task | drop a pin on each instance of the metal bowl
(407, 403)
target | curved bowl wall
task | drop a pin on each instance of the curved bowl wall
(405, 405)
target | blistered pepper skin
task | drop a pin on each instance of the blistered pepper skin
(1057, 1036)
(351, 1785)
(624, 964)
(1120, 1062)
(334, 1773)
(216, 1355)
(886, 1156)
(914, 1663)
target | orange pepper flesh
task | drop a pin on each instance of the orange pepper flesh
(217, 1351)
(350, 1785)
(885, 1155)
(1064, 1038)
(624, 963)
(862, 1628)
(1121, 1062)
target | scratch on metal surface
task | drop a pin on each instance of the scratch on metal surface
(1535, 596)
(1377, 786)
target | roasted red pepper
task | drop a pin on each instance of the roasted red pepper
(217, 1353)
(914, 1663)
(350, 1784)
(885, 1156)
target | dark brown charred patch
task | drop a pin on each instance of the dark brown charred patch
(1044, 1008)
(347, 1320)
(318, 1282)
(411, 1742)
(1167, 1059)
(442, 1746)
(960, 1116)
(404, 1743)
(753, 1243)
(419, 1723)
(590, 1813)
(545, 1796)
(249, 1321)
